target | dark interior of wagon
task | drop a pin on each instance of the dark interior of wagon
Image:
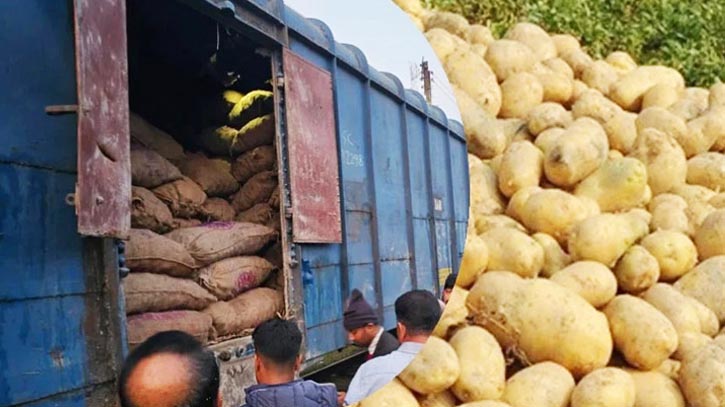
(179, 59)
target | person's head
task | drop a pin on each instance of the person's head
(170, 369)
(417, 312)
(360, 320)
(448, 287)
(277, 356)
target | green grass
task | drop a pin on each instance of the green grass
(686, 35)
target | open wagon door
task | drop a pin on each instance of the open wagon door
(312, 145)
(103, 190)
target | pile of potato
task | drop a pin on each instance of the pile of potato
(594, 267)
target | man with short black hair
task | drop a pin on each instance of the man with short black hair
(277, 360)
(448, 287)
(170, 369)
(417, 313)
(363, 328)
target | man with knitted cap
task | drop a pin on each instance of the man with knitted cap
(363, 329)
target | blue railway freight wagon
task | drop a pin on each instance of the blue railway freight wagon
(373, 180)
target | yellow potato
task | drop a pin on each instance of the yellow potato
(702, 377)
(559, 66)
(434, 369)
(606, 387)
(621, 61)
(578, 60)
(486, 137)
(605, 237)
(717, 95)
(669, 368)
(637, 270)
(546, 116)
(690, 343)
(600, 76)
(520, 93)
(692, 103)
(579, 88)
(545, 141)
(393, 394)
(474, 261)
(483, 368)
(555, 258)
(654, 389)
(442, 399)
(694, 193)
(485, 198)
(485, 403)
(710, 236)
(479, 34)
(661, 95)
(553, 323)
(472, 75)
(643, 335)
(617, 185)
(454, 315)
(515, 207)
(697, 212)
(593, 104)
(622, 131)
(708, 170)
(565, 43)
(442, 42)
(675, 306)
(666, 122)
(709, 323)
(666, 162)
(718, 201)
(554, 212)
(535, 38)
(591, 280)
(576, 153)
(521, 166)
(485, 223)
(515, 251)
(706, 283)
(629, 90)
(668, 213)
(674, 251)
(451, 22)
(507, 57)
(542, 385)
(705, 132)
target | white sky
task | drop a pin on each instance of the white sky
(388, 37)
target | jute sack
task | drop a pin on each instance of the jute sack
(253, 104)
(274, 222)
(273, 254)
(146, 292)
(218, 140)
(217, 209)
(258, 132)
(148, 212)
(215, 241)
(213, 176)
(143, 326)
(260, 213)
(246, 311)
(148, 252)
(179, 223)
(155, 139)
(252, 162)
(230, 277)
(149, 169)
(274, 199)
(184, 197)
(257, 190)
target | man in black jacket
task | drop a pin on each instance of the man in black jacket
(363, 328)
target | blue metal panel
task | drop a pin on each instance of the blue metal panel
(37, 69)
(418, 175)
(396, 280)
(424, 255)
(42, 351)
(362, 277)
(39, 256)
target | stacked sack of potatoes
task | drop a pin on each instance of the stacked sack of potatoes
(204, 252)
(594, 267)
